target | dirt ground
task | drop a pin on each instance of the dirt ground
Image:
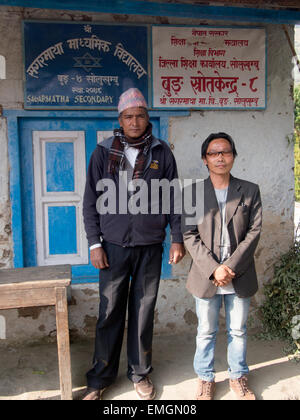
(31, 372)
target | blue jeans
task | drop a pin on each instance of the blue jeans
(236, 314)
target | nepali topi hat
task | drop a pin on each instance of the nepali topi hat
(131, 98)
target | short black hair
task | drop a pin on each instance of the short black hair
(214, 136)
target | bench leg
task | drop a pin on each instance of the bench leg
(63, 343)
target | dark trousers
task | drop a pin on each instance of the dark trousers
(133, 275)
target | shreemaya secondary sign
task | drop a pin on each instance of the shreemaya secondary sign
(88, 66)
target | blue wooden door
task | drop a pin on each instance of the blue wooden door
(54, 156)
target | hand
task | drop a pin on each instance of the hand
(223, 275)
(177, 252)
(99, 258)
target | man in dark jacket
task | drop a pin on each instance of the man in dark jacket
(127, 245)
(222, 247)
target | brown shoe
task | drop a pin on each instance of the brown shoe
(93, 394)
(145, 389)
(205, 390)
(240, 388)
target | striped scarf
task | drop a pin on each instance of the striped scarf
(116, 157)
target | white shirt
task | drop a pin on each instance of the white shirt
(225, 248)
(131, 154)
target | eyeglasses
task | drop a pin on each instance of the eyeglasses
(214, 154)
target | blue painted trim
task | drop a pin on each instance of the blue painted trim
(136, 7)
(9, 114)
(15, 189)
(85, 279)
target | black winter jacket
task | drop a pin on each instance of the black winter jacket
(129, 229)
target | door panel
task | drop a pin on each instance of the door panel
(58, 229)
(59, 188)
(59, 157)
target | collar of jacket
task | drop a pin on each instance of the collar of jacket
(155, 142)
(108, 142)
(234, 196)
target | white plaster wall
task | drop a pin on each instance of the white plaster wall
(264, 156)
(11, 89)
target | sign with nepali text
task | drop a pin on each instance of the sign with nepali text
(205, 67)
(83, 65)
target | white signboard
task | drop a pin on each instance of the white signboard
(205, 67)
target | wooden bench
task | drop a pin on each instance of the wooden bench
(43, 286)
